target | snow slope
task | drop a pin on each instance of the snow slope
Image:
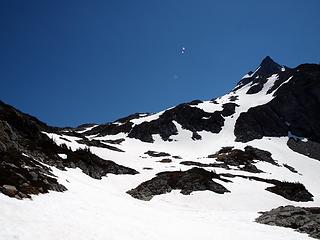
(101, 209)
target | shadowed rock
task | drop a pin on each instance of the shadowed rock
(305, 220)
(289, 190)
(244, 160)
(98, 143)
(24, 149)
(190, 118)
(309, 148)
(292, 109)
(21, 176)
(195, 179)
(157, 154)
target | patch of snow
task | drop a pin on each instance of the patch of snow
(87, 129)
(148, 118)
(63, 156)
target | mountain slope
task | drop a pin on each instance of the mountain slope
(206, 168)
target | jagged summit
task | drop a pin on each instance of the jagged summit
(267, 67)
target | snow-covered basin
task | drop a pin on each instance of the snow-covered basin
(101, 209)
(94, 209)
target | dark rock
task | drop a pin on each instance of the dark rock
(21, 176)
(256, 87)
(93, 165)
(266, 68)
(98, 143)
(64, 139)
(144, 131)
(7, 137)
(24, 149)
(195, 179)
(9, 190)
(214, 101)
(292, 169)
(291, 191)
(250, 168)
(116, 141)
(255, 124)
(165, 160)
(195, 102)
(147, 168)
(228, 109)
(260, 155)
(132, 116)
(309, 148)
(233, 98)
(292, 109)
(110, 129)
(157, 154)
(305, 220)
(198, 164)
(196, 136)
(190, 118)
(244, 160)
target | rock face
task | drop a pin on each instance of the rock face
(157, 154)
(21, 176)
(309, 148)
(195, 179)
(305, 220)
(293, 191)
(93, 165)
(190, 118)
(258, 78)
(292, 109)
(244, 160)
(24, 149)
(98, 143)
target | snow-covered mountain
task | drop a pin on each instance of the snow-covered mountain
(199, 170)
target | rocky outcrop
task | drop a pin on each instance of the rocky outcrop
(110, 129)
(199, 164)
(190, 118)
(292, 191)
(195, 179)
(93, 165)
(258, 78)
(98, 143)
(291, 169)
(305, 220)
(228, 109)
(308, 148)
(292, 109)
(157, 154)
(22, 176)
(24, 149)
(244, 160)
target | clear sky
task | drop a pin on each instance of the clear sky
(72, 62)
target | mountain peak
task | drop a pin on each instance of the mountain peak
(267, 66)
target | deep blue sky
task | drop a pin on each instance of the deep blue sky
(72, 62)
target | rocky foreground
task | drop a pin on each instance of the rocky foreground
(305, 220)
